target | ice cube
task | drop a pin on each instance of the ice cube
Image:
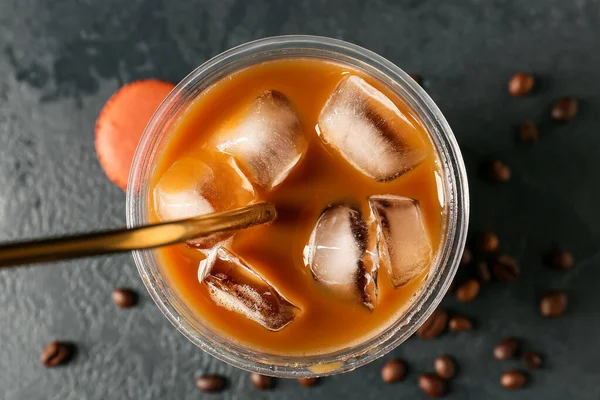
(369, 131)
(234, 285)
(402, 238)
(339, 256)
(267, 141)
(201, 183)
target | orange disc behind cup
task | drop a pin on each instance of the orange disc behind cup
(121, 124)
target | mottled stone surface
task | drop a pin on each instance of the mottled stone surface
(60, 60)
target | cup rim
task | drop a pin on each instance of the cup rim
(455, 191)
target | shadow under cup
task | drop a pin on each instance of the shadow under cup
(455, 205)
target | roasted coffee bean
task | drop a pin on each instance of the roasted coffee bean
(211, 383)
(445, 367)
(56, 353)
(308, 382)
(432, 385)
(564, 109)
(513, 379)
(506, 269)
(261, 382)
(482, 270)
(560, 259)
(393, 371)
(532, 360)
(434, 326)
(528, 132)
(467, 291)
(487, 242)
(460, 324)
(497, 171)
(506, 349)
(520, 84)
(124, 298)
(553, 304)
(467, 257)
(418, 78)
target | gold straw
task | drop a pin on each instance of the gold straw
(144, 237)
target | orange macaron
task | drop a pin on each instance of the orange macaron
(121, 123)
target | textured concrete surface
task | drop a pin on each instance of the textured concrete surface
(59, 62)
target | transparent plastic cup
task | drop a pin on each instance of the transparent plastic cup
(453, 182)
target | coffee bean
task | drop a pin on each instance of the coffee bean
(445, 367)
(308, 382)
(532, 360)
(497, 171)
(528, 132)
(506, 349)
(467, 291)
(487, 242)
(124, 298)
(56, 353)
(418, 78)
(460, 324)
(553, 304)
(564, 109)
(513, 379)
(211, 383)
(434, 326)
(506, 269)
(261, 382)
(482, 270)
(560, 259)
(432, 385)
(393, 371)
(467, 257)
(520, 84)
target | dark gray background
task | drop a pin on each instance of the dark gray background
(60, 60)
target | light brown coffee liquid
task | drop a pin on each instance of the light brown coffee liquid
(326, 323)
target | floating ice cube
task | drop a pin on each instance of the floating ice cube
(369, 131)
(200, 184)
(338, 255)
(235, 286)
(402, 239)
(268, 140)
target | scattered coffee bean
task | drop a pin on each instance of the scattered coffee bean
(460, 324)
(506, 269)
(553, 304)
(124, 298)
(497, 171)
(445, 367)
(56, 353)
(513, 379)
(467, 257)
(211, 383)
(467, 291)
(308, 382)
(434, 326)
(432, 385)
(482, 270)
(560, 259)
(528, 132)
(418, 78)
(564, 109)
(487, 242)
(520, 84)
(506, 349)
(532, 360)
(261, 382)
(393, 371)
